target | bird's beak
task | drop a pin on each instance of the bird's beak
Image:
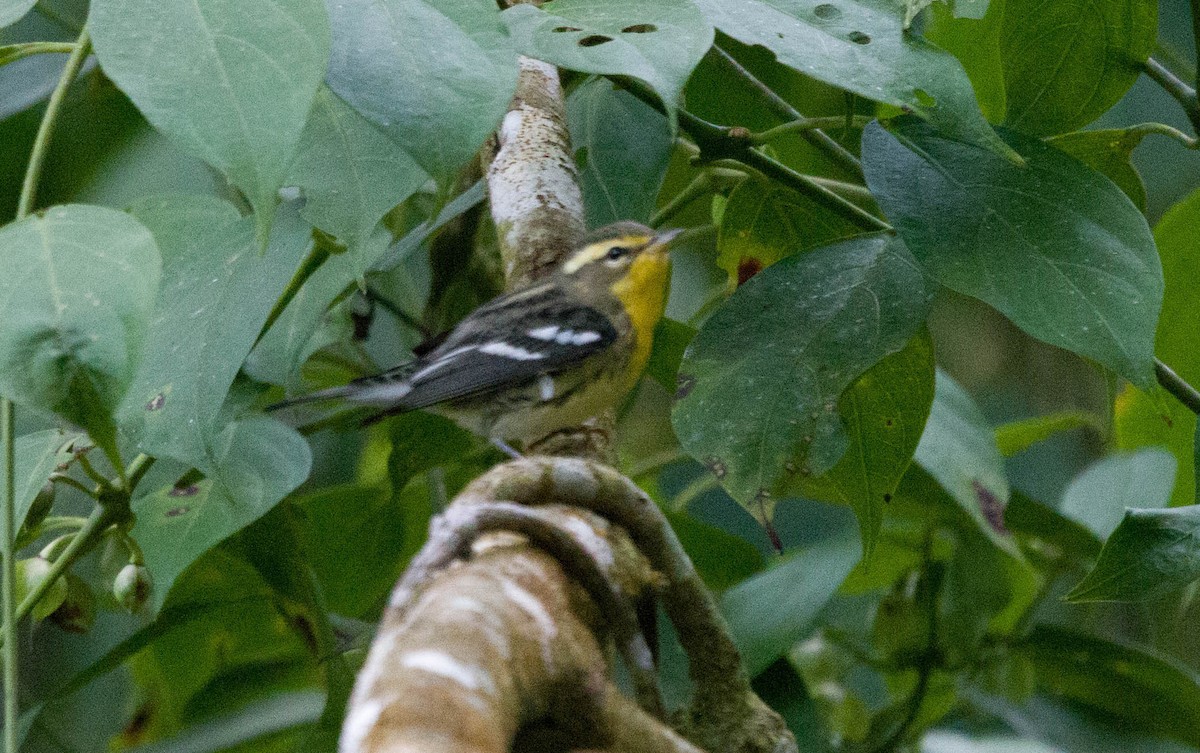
(663, 239)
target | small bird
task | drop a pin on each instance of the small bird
(541, 358)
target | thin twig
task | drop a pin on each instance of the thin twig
(10, 53)
(1177, 386)
(1173, 85)
(699, 186)
(814, 136)
(809, 124)
(8, 591)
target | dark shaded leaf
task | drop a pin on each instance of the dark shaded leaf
(1150, 553)
(759, 385)
(1019, 238)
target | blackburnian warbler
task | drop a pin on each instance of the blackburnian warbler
(541, 358)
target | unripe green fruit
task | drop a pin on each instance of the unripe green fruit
(132, 587)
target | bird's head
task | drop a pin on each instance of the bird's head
(625, 259)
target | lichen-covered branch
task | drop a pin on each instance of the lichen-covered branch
(532, 182)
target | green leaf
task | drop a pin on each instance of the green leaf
(75, 306)
(231, 82)
(1016, 437)
(37, 455)
(772, 611)
(1021, 238)
(217, 291)
(671, 339)
(759, 384)
(722, 559)
(350, 173)
(11, 11)
(1135, 689)
(959, 450)
(764, 222)
(253, 721)
(1067, 62)
(357, 566)
(1151, 552)
(659, 43)
(864, 50)
(1108, 152)
(1031, 520)
(308, 323)
(1157, 420)
(622, 146)
(884, 412)
(1097, 498)
(975, 41)
(252, 465)
(435, 75)
(1177, 235)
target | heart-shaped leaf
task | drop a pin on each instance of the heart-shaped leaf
(759, 384)
(1053, 245)
(217, 291)
(232, 82)
(75, 300)
(435, 75)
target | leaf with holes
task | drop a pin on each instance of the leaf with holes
(1108, 152)
(1099, 496)
(861, 46)
(759, 384)
(12, 11)
(884, 412)
(232, 82)
(622, 146)
(351, 174)
(75, 301)
(1150, 553)
(1053, 245)
(217, 291)
(764, 222)
(1068, 62)
(959, 450)
(437, 100)
(251, 465)
(659, 43)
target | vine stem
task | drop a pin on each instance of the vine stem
(8, 589)
(1177, 386)
(784, 109)
(1173, 85)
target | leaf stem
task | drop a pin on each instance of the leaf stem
(67, 480)
(41, 142)
(1177, 386)
(699, 186)
(91, 471)
(136, 470)
(8, 590)
(317, 256)
(1173, 85)
(814, 136)
(10, 53)
(1162, 129)
(809, 124)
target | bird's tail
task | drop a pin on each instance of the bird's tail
(332, 393)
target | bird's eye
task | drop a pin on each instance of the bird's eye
(616, 252)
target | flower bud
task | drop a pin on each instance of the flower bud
(132, 586)
(30, 575)
(78, 610)
(41, 505)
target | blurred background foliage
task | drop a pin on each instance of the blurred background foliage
(836, 644)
